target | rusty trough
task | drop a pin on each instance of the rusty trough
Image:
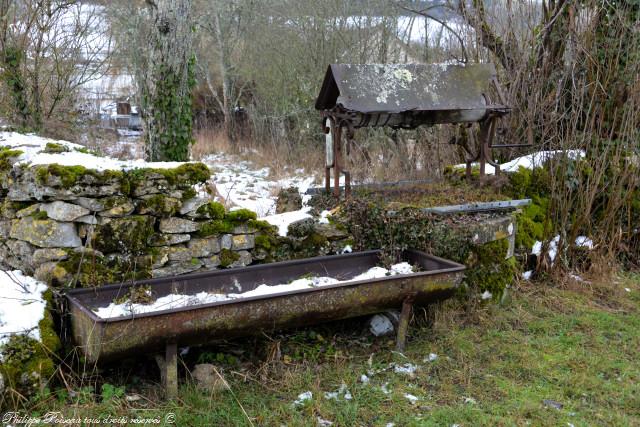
(102, 339)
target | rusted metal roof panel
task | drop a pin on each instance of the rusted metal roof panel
(395, 88)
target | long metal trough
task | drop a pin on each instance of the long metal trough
(110, 338)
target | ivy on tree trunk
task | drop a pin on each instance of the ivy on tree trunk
(167, 80)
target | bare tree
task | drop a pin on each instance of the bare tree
(50, 49)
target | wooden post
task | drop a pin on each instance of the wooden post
(403, 323)
(337, 139)
(327, 179)
(483, 140)
(171, 370)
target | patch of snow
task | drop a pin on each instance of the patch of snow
(303, 397)
(578, 278)
(32, 147)
(241, 183)
(385, 388)
(406, 369)
(335, 395)
(173, 301)
(431, 357)
(531, 161)
(21, 305)
(584, 242)
(324, 217)
(536, 249)
(283, 220)
(411, 398)
(527, 275)
(552, 250)
(323, 423)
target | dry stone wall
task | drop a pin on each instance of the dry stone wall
(69, 225)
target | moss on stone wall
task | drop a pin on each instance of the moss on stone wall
(228, 257)
(26, 366)
(96, 270)
(488, 269)
(213, 210)
(127, 235)
(241, 215)
(72, 175)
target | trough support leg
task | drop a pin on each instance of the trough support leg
(403, 323)
(171, 370)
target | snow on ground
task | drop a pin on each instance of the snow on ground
(303, 397)
(32, 147)
(172, 301)
(530, 161)
(21, 304)
(239, 182)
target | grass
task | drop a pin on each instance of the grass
(576, 345)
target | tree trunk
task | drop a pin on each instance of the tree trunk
(167, 81)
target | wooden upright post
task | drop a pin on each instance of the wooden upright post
(171, 370)
(403, 323)
(337, 148)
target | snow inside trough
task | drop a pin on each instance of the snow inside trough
(173, 301)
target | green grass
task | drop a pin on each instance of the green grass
(496, 365)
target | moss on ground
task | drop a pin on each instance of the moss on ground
(54, 148)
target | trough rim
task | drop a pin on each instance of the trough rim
(71, 294)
